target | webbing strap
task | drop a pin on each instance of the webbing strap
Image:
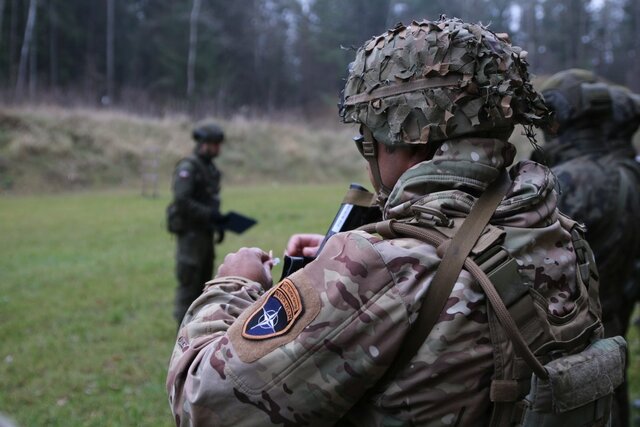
(454, 258)
(456, 252)
(502, 313)
(370, 153)
(404, 87)
(508, 324)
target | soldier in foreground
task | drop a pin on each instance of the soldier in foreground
(383, 327)
(593, 158)
(194, 216)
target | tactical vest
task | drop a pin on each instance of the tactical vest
(548, 370)
(208, 182)
(207, 190)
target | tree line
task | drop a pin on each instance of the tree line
(267, 56)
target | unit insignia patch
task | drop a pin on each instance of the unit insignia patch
(281, 308)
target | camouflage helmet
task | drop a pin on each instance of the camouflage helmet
(625, 115)
(575, 96)
(208, 132)
(432, 81)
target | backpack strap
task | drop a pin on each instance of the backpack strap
(454, 254)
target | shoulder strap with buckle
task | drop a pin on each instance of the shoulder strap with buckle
(454, 255)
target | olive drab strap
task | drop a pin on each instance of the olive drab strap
(524, 392)
(454, 254)
(370, 154)
(404, 87)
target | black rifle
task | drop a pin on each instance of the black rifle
(357, 209)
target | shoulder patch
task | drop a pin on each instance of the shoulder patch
(276, 315)
(183, 173)
(251, 348)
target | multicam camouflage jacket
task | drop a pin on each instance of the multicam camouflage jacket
(600, 187)
(312, 350)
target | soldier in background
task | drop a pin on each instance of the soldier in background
(333, 343)
(194, 216)
(592, 157)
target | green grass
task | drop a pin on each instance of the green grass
(86, 290)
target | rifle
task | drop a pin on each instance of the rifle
(357, 209)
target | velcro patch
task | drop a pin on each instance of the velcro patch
(277, 314)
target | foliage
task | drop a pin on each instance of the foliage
(265, 56)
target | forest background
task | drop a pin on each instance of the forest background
(261, 57)
(97, 102)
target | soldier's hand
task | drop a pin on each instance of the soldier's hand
(304, 244)
(250, 263)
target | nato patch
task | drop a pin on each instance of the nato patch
(277, 314)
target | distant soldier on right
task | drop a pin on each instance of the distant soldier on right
(594, 160)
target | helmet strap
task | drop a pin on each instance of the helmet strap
(370, 153)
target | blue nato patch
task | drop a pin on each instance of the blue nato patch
(276, 315)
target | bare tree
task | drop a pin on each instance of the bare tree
(53, 45)
(110, 66)
(33, 70)
(635, 16)
(13, 40)
(1, 16)
(530, 27)
(26, 45)
(193, 41)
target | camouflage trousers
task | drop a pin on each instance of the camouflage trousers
(194, 266)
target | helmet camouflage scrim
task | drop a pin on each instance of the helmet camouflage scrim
(432, 81)
(208, 133)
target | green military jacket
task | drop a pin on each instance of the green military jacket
(312, 350)
(196, 192)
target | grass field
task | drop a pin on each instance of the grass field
(86, 289)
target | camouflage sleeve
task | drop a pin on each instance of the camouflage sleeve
(303, 354)
(184, 187)
(206, 322)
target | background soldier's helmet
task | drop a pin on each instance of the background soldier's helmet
(432, 81)
(625, 115)
(580, 99)
(208, 132)
(576, 97)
